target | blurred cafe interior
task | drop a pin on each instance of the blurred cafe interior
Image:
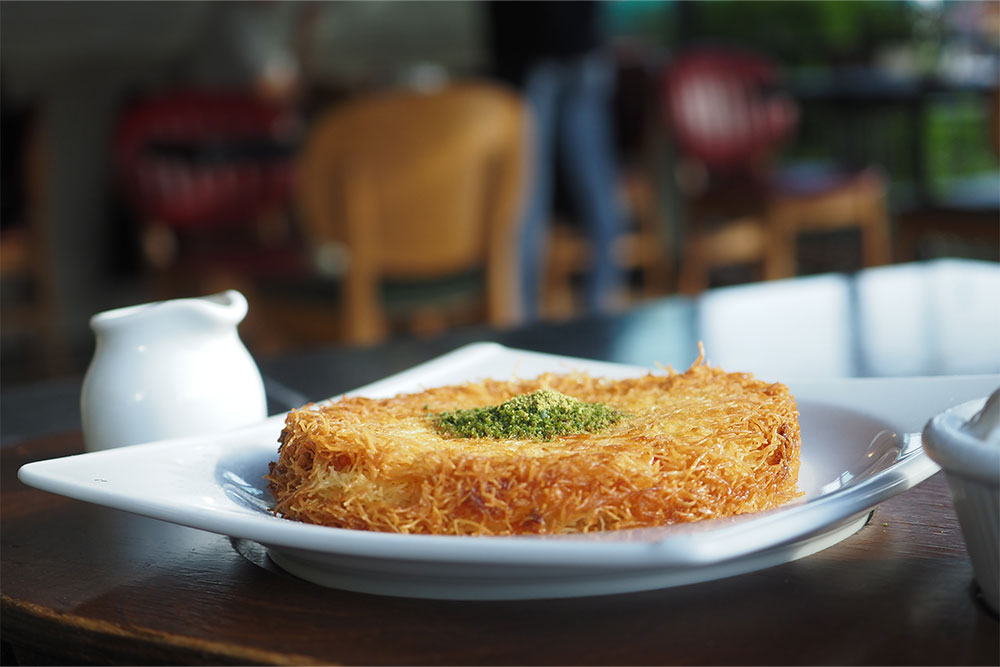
(369, 170)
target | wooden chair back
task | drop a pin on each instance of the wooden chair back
(416, 185)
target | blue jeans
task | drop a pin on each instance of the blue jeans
(570, 105)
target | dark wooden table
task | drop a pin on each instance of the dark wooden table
(86, 584)
(82, 584)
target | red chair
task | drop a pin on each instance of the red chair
(209, 176)
(730, 120)
(722, 113)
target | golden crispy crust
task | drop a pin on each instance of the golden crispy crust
(697, 445)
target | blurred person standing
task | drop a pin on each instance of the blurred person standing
(552, 52)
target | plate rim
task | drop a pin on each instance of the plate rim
(676, 549)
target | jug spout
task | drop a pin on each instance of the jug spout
(227, 308)
(223, 310)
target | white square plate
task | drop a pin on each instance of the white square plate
(860, 446)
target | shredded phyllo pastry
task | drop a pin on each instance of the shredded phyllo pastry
(680, 447)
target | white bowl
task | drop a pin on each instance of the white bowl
(965, 442)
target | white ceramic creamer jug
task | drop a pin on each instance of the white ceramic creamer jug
(169, 369)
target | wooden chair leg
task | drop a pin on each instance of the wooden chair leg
(647, 250)
(693, 275)
(780, 257)
(876, 245)
(364, 316)
(364, 320)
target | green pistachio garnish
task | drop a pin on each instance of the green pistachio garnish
(540, 415)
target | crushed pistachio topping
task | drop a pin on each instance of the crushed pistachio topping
(540, 415)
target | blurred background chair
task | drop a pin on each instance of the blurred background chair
(415, 197)
(730, 120)
(209, 176)
(822, 201)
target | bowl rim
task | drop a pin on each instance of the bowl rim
(958, 451)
